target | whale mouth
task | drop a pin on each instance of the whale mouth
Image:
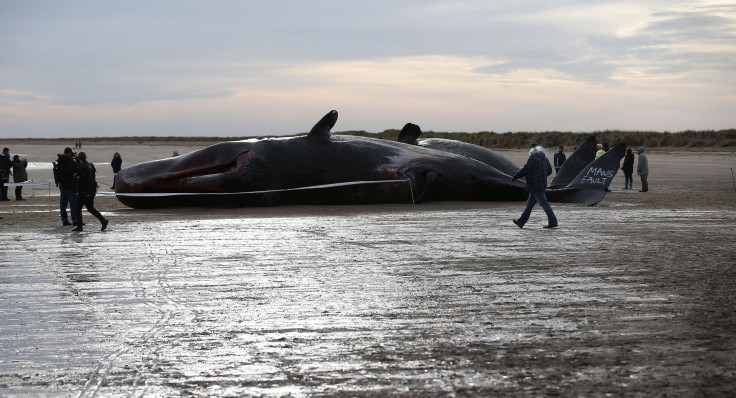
(228, 176)
(175, 179)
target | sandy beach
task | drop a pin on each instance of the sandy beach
(634, 296)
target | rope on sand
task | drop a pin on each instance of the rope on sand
(164, 194)
(340, 184)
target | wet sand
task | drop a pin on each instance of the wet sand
(634, 296)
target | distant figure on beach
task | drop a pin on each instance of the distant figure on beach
(5, 165)
(65, 168)
(628, 169)
(175, 154)
(117, 165)
(600, 151)
(536, 170)
(642, 169)
(19, 174)
(559, 158)
(86, 191)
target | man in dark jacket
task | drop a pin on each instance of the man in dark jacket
(5, 165)
(86, 191)
(65, 169)
(559, 158)
(536, 170)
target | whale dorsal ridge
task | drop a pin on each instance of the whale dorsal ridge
(321, 130)
(409, 134)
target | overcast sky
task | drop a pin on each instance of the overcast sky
(242, 68)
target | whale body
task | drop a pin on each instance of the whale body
(321, 168)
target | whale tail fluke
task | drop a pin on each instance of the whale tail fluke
(591, 184)
(583, 155)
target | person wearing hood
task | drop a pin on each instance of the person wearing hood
(642, 169)
(536, 170)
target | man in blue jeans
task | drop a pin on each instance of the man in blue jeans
(536, 170)
(66, 167)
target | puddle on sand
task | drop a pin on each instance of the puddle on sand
(437, 302)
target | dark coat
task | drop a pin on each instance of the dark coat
(5, 165)
(559, 159)
(628, 166)
(117, 164)
(536, 170)
(19, 171)
(86, 183)
(67, 169)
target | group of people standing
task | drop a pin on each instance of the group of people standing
(15, 167)
(642, 169)
(74, 175)
(537, 169)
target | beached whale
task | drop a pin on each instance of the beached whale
(411, 132)
(571, 184)
(321, 168)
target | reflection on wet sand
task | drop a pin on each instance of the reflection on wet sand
(449, 301)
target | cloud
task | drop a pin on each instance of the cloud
(218, 67)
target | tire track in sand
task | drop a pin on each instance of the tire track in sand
(104, 365)
(151, 289)
(164, 333)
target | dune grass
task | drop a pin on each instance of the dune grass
(549, 139)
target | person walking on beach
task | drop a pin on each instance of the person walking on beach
(536, 170)
(64, 170)
(86, 191)
(19, 175)
(559, 158)
(5, 165)
(642, 169)
(628, 169)
(117, 165)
